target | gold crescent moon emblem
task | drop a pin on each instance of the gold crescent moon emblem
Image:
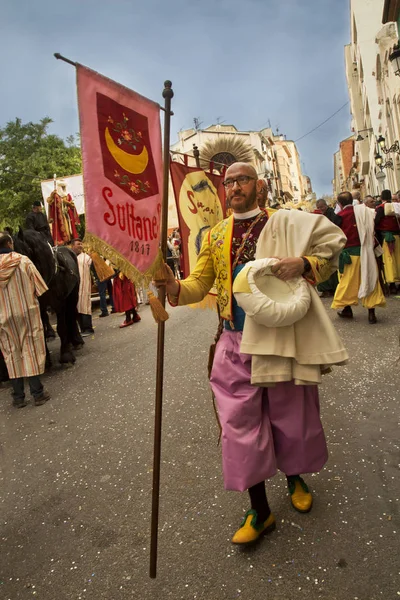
(133, 163)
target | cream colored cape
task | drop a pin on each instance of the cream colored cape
(365, 221)
(303, 350)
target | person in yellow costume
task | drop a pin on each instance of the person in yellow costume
(387, 225)
(358, 270)
(263, 428)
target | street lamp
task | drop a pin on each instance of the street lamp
(379, 162)
(382, 144)
(360, 138)
(395, 60)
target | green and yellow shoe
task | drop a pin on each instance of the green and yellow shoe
(249, 532)
(300, 495)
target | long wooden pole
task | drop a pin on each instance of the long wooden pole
(167, 95)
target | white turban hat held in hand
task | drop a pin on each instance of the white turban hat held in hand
(268, 300)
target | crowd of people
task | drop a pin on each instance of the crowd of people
(373, 220)
(22, 335)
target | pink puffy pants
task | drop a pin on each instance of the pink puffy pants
(263, 429)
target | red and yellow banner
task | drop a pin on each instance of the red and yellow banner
(200, 204)
(122, 173)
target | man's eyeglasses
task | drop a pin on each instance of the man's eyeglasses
(241, 181)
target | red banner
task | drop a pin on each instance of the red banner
(200, 204)
(122, 172)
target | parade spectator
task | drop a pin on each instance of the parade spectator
(174, 253)
(21, 331)
(275, 205)
(262, 194)
(125, 300)
(179, 254)
(37, 220)
(356, 195)
(370, 202)
(327, 211)
(143, 297)
(85, 288)
(104, 288)
(170, 254)
(263, 428)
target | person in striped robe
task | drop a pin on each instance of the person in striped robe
(21, 331)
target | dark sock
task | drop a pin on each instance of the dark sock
(291, 481)
(128, 316)
(259, 502)
(134, 313)
(292, 478)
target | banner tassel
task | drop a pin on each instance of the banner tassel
(161, 274)
(103, 270)
(158, 311)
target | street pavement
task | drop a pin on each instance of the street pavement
(76, 477)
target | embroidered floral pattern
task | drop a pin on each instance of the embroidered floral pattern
(129, 138)
(240, 228)
(218, 235)
(126, 135)
(135, 186)
(223, 260)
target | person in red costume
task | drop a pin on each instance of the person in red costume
(352, 267)
(125, 300)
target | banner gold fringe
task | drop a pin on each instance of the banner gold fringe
(209, 302)
(121, 263)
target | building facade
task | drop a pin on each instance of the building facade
(275, 159)
(345, 167)
(374, 92)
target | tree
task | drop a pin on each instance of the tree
(29, 154)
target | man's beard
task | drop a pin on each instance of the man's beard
(251, 200)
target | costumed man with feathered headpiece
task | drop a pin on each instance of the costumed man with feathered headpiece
(63, 215)
(265, 378)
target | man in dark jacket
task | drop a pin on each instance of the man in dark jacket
(37, 220)
(328, 212)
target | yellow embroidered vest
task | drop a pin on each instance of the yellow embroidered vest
(220, 240)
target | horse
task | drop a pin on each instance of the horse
(59, 268)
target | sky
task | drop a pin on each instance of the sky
(246, 62)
